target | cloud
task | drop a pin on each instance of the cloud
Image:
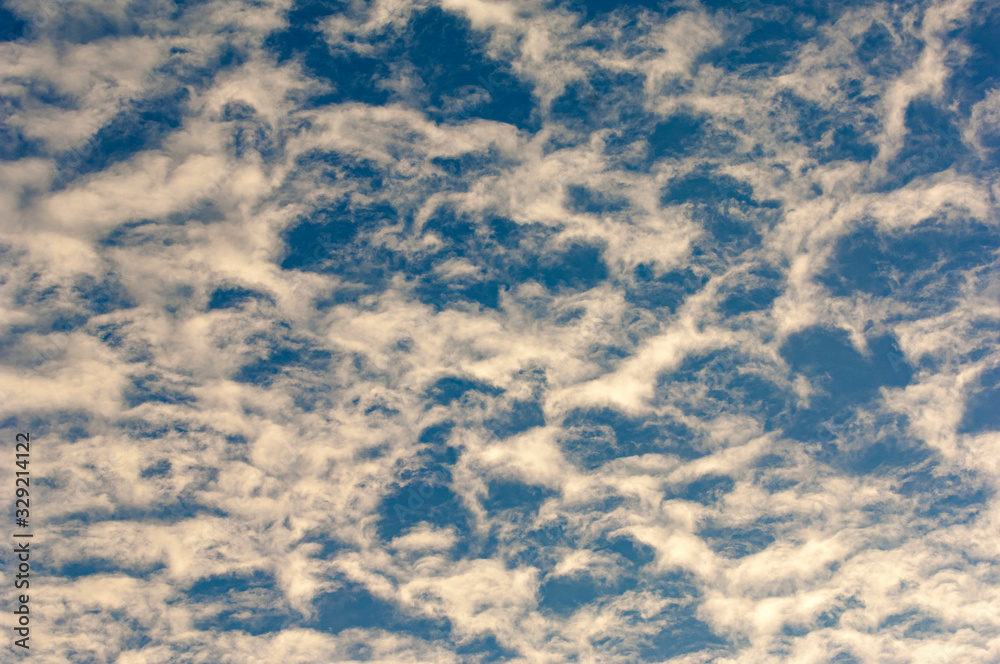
(504, 331)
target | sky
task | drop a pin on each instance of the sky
(534, 331)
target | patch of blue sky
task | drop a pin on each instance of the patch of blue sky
(732, 218)
(251, 138)
(182, 508)
(251, 617)
(484, 650)
(87, 567)
(450, 60)
(755, 290)
(281, 358)
(582, 200)
(884, 450)
(592, 438)
(152, 388)
(943, 497)
(351, 76)
(464, 167)
(423, 498)
(353, 606)
(843, 378)
(564, 595)
(850, 128)
(978, 75)
(737, 542)
(684, 635)
(12, 26)
(933, 144)
(767, 36)
(720, 382)
(102, 295)
(141, 231)
(687, 134)
(228, 297)
(590, 10)
(505, 496)
(602, 99)
(337, 240)
(141, 125)
(884, 52)
(663, 293)
(981, 412)
(15, 145)
(456, 79)
(922, 266)
(516, 417)
(211, 587)
(448, 389)
(423, 493)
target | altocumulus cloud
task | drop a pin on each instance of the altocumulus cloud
(520, 331)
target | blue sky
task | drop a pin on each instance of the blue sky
(505, 331)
